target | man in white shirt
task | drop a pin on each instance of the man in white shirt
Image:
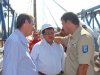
(48, 55)
(17, 60)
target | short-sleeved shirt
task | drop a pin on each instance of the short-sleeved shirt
(80, 50)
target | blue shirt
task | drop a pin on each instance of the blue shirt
(49, 59)
(17, 60)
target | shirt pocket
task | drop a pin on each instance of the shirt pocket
(74, 50)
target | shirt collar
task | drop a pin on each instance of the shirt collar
(21, 36)
(45, 42)
(76, 33)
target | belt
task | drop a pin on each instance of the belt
(40, 73)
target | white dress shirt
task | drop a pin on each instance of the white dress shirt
(17, 60)
(49, 59)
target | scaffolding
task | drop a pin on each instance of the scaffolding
(6, 11)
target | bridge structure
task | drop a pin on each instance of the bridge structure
(90, 16)
(6, 12)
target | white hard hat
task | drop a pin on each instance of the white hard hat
(45, 26)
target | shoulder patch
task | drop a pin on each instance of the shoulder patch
(85, 48)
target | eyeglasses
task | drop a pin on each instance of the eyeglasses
(52, 33)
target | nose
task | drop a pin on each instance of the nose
(33, 28)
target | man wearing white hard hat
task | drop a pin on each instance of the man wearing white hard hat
(48, 55)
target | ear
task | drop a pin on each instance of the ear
(26, 21)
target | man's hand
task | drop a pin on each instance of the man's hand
(82, 70)
(58, 40)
